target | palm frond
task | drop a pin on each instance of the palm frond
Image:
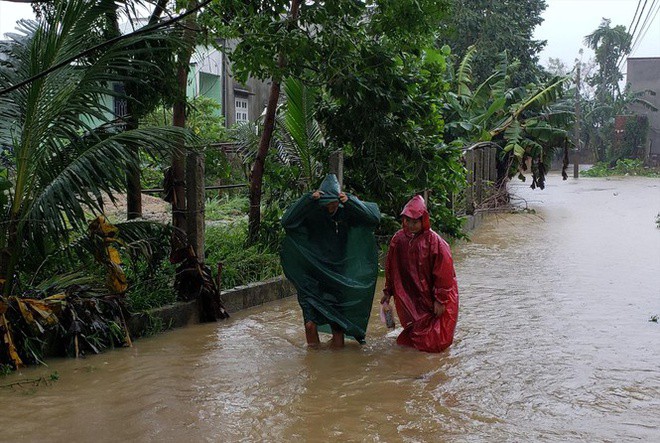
(65, 155)
(464, 73)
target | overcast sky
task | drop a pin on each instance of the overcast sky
(566, 24)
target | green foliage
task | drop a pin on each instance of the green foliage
(226, 207)
(380, 82)
(632, 167)
(206, 122)
(632, 143)
(242, 265)
(610, 45)
(529, 122)
(492, 27)
(150, 286)
(397, 149)
(292, 165)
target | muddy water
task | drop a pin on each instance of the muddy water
(553, 343)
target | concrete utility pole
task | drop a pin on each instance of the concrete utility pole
(576, 160)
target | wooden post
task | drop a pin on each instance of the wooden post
(196, 198)
(469, 190)
(576, 160)
(492, 174)
(478, 178)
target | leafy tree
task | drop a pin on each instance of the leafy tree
(607, 100)
(610, 46)
(374, 64)
(492, 27)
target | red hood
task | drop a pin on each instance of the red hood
(416, 208)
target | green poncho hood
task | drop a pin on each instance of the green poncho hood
(329, 189)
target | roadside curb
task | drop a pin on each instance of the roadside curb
(186, 313)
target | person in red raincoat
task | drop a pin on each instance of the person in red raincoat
(419, 274)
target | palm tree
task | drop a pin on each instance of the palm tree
(62, 150)
(297, 136)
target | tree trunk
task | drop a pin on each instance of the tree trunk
(257, 174)
(177, 170)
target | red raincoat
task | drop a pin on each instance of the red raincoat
(420, 270)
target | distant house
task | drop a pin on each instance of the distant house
(242, 103)
(210, 76)
(644, 74)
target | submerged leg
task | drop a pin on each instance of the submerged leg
(312, 334)
(337, 337)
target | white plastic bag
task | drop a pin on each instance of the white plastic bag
(387, 316)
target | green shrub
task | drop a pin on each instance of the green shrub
(241, 265)
(150, 286)
(622, 167)
(226, 207)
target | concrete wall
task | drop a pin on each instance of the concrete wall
(644, 74)
(185, 313)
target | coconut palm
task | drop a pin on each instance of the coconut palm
(62, 152)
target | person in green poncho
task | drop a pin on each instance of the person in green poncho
(329, 254)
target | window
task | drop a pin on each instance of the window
(241, 105)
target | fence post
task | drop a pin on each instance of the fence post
(469, 190)
(492, 174)
(478, 179)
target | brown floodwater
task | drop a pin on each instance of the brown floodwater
(553, 343)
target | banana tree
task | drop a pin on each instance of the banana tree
(527, 121)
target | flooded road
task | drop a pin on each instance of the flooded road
(553, 343)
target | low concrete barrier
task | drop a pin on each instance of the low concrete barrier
(185, 313)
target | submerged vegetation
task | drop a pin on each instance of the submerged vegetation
(632, 167)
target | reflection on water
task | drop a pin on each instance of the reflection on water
(553, 344)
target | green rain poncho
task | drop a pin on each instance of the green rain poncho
(332, 259)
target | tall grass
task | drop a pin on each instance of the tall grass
(241, 265)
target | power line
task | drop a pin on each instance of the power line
(144, 30)
(646, 25)
(636, 40)
(632, 31)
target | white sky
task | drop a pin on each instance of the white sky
(566, 24)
